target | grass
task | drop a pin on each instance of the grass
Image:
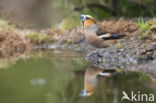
(142, 76)
(34, 36)
(37, 37)
(146, 28)
(142, 24)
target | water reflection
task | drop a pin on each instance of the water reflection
(91, 79)
(49, 77)
(39, 81)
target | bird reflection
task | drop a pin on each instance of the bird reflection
(91, 79)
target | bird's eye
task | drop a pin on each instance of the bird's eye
(87, 18)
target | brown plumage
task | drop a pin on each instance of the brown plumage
(94, 37)
(91, 80)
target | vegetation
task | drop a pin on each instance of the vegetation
(142, 76)
(34, 37)
(147, 27)
(102, 9)
(142, 24)
(118, 45)
(4, 25)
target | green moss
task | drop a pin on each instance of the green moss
(118, 45)
(37, 37)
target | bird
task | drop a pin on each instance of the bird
(91, 79)
(94, 37)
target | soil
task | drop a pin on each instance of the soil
(120, 26)
(12, 44)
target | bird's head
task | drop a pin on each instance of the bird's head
(89, 88)
(83, 92)
(86, 93)
(87, 20)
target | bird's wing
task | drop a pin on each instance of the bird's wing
(108, 36)
(100, 32)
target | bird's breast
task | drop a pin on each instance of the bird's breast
(90, 83)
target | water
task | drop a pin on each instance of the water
(58, 77)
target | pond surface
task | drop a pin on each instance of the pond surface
(58, 77)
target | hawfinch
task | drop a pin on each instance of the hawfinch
(93, 37)
(91, 80)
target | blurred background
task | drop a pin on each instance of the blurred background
(49, 13)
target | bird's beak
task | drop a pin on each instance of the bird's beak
(83, 24)
(83, 93)
(83, 18)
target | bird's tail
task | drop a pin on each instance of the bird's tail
(118, 36)
(112, 36)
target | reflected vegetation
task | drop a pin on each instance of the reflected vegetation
(49, 77)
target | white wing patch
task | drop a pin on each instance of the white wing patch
(104, 36)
